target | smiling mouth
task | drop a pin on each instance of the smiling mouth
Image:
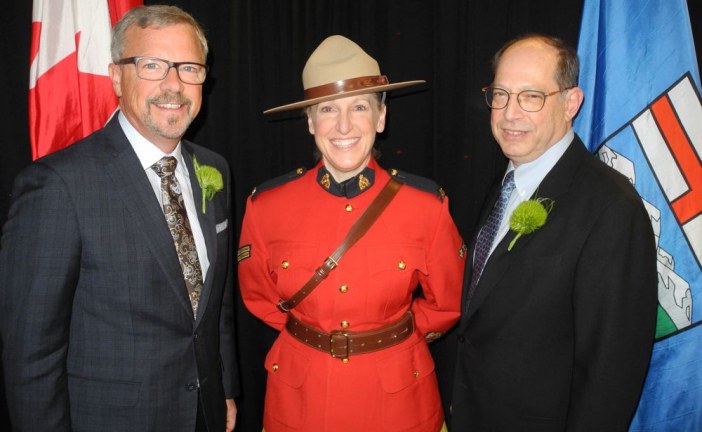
(515, 134)
(172, 101)
(170, 106)
(344, 143)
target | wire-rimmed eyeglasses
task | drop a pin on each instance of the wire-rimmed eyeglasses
(528, 100)
(156, 69)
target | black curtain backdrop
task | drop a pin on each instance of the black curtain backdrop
(258, 49)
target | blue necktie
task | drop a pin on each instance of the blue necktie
(487, 234)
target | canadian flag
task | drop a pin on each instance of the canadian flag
(70, 92)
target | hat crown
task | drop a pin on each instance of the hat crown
(337, 58)
(340, 68)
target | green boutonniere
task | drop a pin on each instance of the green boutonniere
(529, 216)
(210, 180)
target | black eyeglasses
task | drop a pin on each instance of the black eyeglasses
(528, 100)
(156, 69)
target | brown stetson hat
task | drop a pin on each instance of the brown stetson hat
(340, 68)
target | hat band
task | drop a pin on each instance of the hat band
(343, 86)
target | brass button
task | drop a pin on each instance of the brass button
(343, 288)
(416, 373)
(401, 265)
(346, 360)
(349, 207)
(285, 264)
(432, 336)
(344, 324)
(275, 367)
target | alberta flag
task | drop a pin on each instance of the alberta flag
(642, 114)
(70, 92)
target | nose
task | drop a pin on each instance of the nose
(513, 110)
(343, 124)
(172, 80)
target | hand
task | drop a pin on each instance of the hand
(231, 415)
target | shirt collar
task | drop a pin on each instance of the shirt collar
(348, 188)
(528, 176)
(147, 152)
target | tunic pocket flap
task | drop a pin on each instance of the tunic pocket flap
(287, 363)
(403, 368)
(396, 258)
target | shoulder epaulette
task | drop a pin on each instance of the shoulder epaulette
(418, 182)
(277, 181)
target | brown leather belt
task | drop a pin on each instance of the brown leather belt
(341, 343)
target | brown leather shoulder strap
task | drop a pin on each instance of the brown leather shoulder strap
(358, 229)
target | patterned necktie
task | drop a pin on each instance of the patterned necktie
(486, 236)
(179, 225)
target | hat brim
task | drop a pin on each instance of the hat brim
(313, 101)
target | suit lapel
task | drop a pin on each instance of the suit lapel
(131, 185)
(555, 184)
(207, 225)
(496, 268)
(485, 212)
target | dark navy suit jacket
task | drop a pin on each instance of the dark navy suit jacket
(97, 328)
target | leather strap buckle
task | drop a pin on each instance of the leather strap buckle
(339, 344)
(281, 306)
(330, 263)
(358, 229)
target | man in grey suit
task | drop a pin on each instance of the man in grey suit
(116, 289)
(559, 309)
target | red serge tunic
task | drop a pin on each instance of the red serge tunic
(288, 231)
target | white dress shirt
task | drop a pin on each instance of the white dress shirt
(148, 155)
(528, 177)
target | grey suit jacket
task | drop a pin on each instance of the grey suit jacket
(558, 334)
(97, 328)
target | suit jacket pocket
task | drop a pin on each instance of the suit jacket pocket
(104, 392)
(221, 227)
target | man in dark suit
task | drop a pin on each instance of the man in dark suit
(558, 325)
(106, 325)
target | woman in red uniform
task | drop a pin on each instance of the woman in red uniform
(352, 355)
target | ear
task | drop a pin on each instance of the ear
(310, 123)
(380, 125)
(115, 73)
(574, 98)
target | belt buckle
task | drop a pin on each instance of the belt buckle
(339, 344)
